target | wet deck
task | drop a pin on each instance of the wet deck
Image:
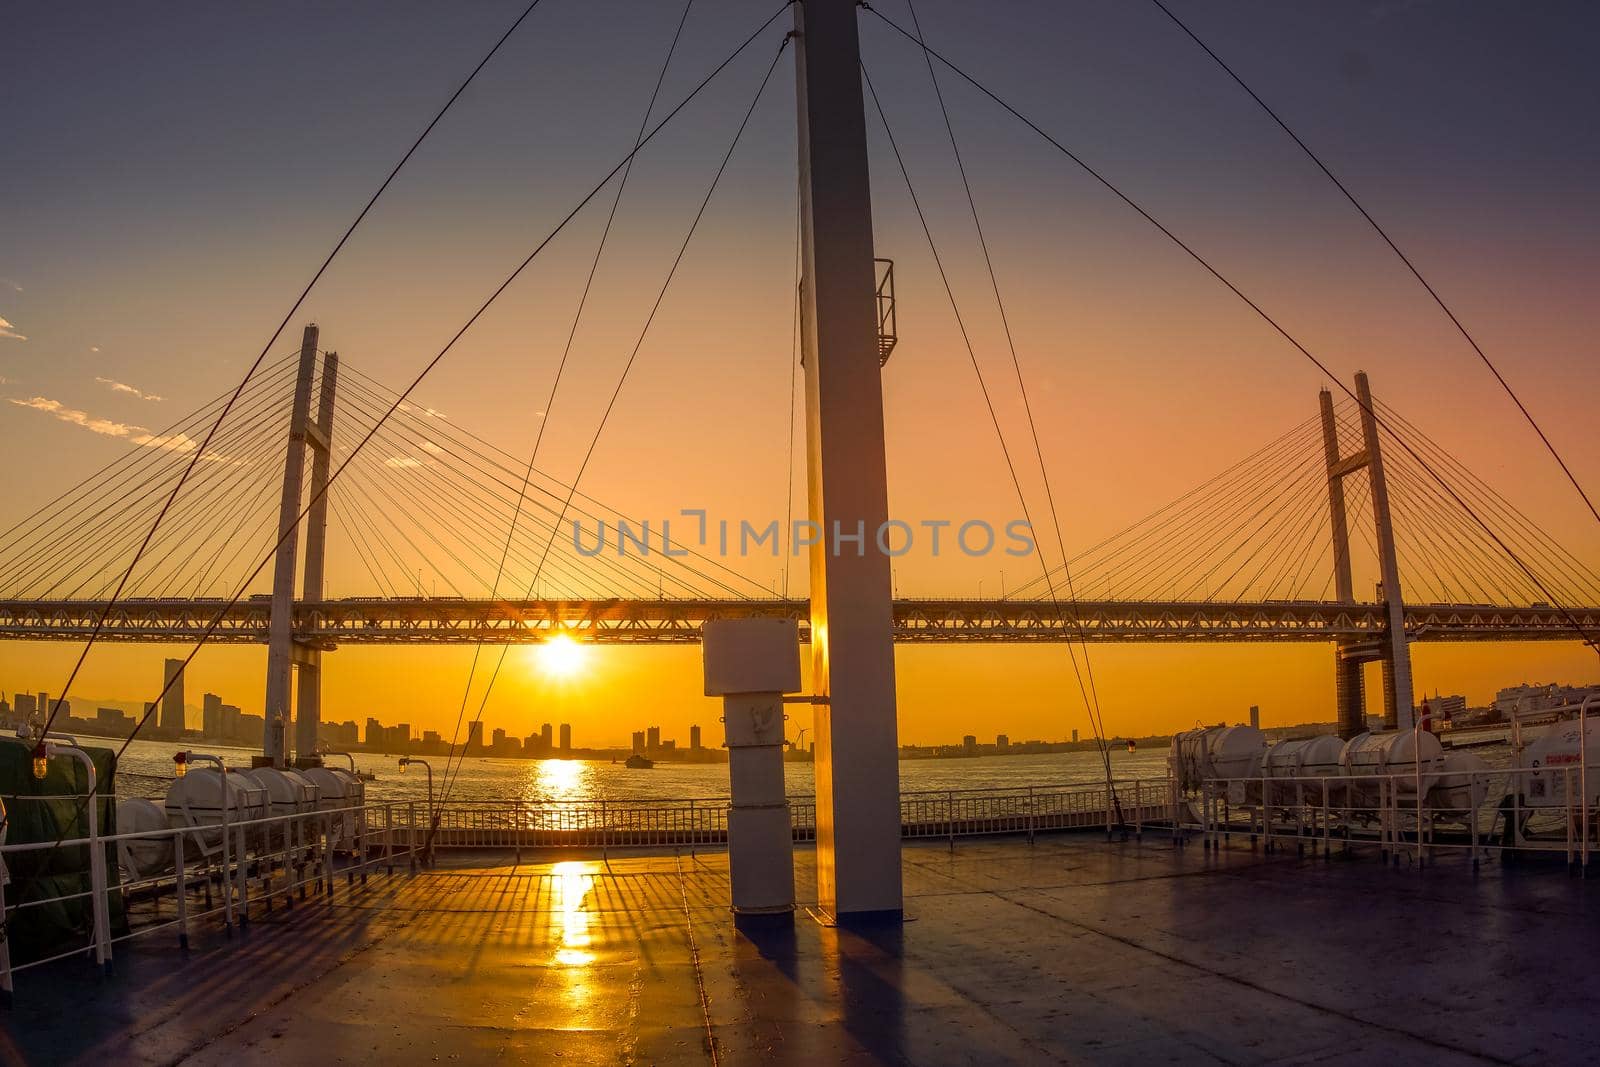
(1068, 950)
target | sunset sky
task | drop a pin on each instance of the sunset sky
(173, 173)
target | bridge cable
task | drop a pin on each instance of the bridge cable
(633, 356)
(555, 383)
(1090, 699)
(1250, 466)
(490, 461)
(217, 619)
(1022, 387)
(55, 536)
(289, 315)
(1588, 638)
(1381, 232)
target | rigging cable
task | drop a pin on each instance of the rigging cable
(1572, 620)
(333, 477)
(1089, 703)
(627, 368)
(1027, 404)
(555, 384)
(293, 309)
(1381, 232)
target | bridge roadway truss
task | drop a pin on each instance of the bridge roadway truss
(441, 620)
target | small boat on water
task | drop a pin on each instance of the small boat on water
(639, 763)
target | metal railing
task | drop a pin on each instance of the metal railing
(228, 868)
(1412, 814)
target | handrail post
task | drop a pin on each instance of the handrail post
(327, 854)
(1566, 775)
(411, 834)
(950, 817)
(1585, 800)
(242, 876)
(227, 848)
(99, 890)
(1326, 844)
(7, 988)
(181, 886)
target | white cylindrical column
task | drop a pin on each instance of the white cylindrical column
(760, 842)
(750, 664)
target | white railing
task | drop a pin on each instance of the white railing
(174, 877)
(1414, 813)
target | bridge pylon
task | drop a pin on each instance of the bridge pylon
(285, 655)
(1348, 691)
(1392, 650)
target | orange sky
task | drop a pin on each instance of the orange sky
(167, 271)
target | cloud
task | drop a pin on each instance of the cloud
(428, 413)
(94, 348)
(8, 330)
(403, 462)
(432, 449)
(121, 387)
(108, 427)
(9, 284)
(179, 442)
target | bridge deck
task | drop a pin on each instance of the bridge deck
(433, 620)
(1068, 950)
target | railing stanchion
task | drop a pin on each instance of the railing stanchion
(242, 875)
(181, 888)
(950, 817)
(7, 988)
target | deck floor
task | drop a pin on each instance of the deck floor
(1069, 950)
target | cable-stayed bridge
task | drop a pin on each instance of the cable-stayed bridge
(1257, 553)
(433, 535)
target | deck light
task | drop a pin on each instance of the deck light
(41, 761)
(180, 764)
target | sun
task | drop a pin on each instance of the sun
(561, 656)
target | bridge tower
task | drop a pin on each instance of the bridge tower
(852, 616)
(284, 654)
(1349, 696)
(1393, 650)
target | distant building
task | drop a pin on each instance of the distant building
(652, 738)
(638, 740)
(498, 738)
(232, 727)
(566, 737)
(172, 717)
(251, 728)
(1255, 716)
(1446, 708)
(694, 738)
(474, 736)
(211, 715)
(1002, 742)
(970, 744)
(1530, 699)
(1074, 737)
(114, 719)
(547, 738)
